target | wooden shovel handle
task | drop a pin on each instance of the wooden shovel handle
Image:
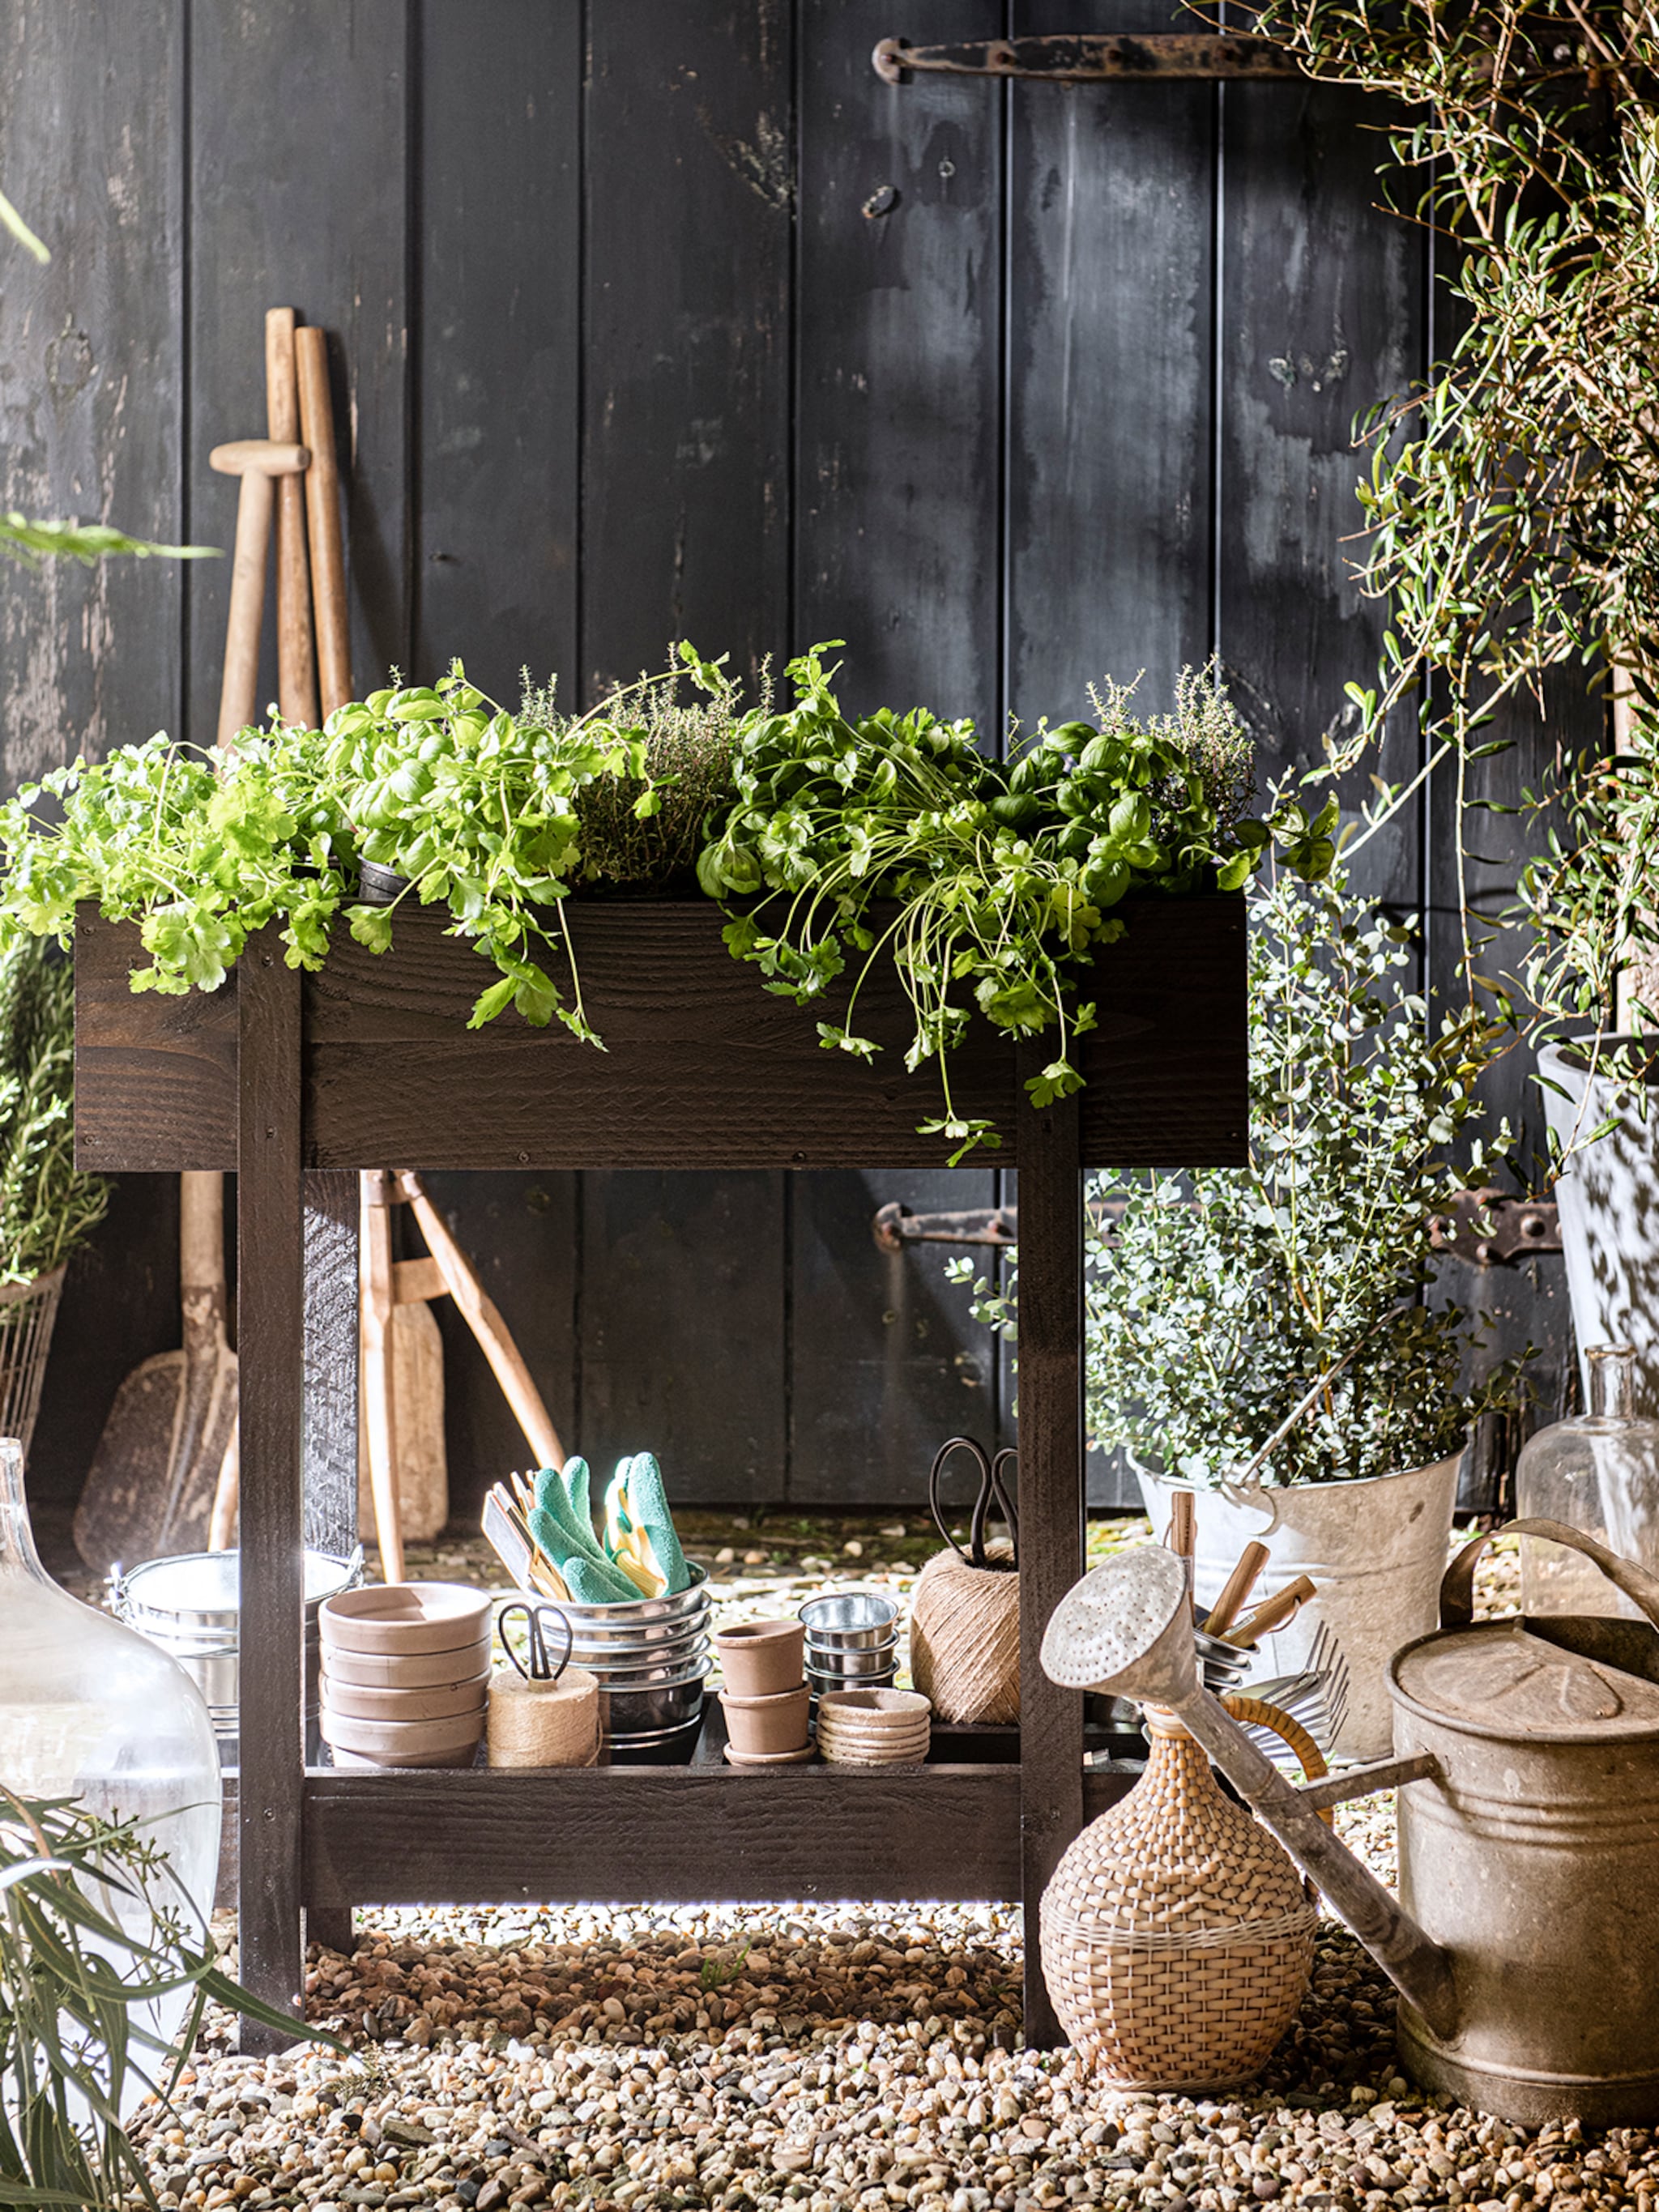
(239, 692)
(1238, 1587)
(328, 574)
(296, 674)
(1273, 1613)
(375, 1301)
(483, 1318)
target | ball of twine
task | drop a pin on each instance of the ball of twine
(552, 1723)
(964, 1639)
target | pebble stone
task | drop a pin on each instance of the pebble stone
(818, 2055)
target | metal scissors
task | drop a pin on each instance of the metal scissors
(541, 1667)
(992, 1496)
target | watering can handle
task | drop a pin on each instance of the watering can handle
(1457, 1584)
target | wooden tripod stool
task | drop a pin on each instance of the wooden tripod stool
(385, 1284)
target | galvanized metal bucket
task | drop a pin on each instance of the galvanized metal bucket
(1532, 1855)
(190, 1606)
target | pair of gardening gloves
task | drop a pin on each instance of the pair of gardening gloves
(640, 1555)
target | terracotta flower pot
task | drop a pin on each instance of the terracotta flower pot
(761, 1658)
(768, 1724)
(448, 1701)
(397, 1618)
(408, 1670)
(451, 1742)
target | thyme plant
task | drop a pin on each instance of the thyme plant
(1217, 1299)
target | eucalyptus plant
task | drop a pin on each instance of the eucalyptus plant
(75, 1982)
(1217, 1299)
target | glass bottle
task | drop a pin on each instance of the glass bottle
(1599, 1472)
(89, 1710)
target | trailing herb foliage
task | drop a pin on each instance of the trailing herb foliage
(474, 806)
(1001, 876)
(71, 1978)
(1512, 503)
(1217, 1299)
(47, 1206)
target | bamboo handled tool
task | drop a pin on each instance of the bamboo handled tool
(1238, 1587)
(260, 463)
(1273, 1614)
(296, 672)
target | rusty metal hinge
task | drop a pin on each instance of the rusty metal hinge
(1071, 57)
(1484, 1226)
(1491, 1229)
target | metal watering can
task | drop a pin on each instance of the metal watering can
(1525, 1938)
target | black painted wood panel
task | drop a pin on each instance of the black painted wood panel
(498, 348)
(898, 321)
(299, 198)
(1109, 343)
(689, 161)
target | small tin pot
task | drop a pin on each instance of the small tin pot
(869, 1659)
(849, 1621)
(761, 1658)
(378, 885)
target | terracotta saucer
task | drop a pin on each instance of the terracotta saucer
(403, 1616)
(771, 1757)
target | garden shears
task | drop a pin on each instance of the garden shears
(992, 1496)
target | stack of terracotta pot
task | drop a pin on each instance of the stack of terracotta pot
(765, 1701)
(405, 1674)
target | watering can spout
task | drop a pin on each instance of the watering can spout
(1127, 1630)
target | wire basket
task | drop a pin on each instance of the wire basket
(27, 1314)
(1177, 1937)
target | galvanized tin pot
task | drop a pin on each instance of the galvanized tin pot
(1533, 1855)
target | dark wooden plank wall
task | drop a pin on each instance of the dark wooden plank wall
(672, 318)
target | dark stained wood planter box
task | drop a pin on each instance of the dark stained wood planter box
(298, 1082)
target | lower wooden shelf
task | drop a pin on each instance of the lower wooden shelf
(676, 1834)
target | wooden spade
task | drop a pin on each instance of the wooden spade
(151, 1486)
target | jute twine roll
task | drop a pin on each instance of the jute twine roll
(554, 1723)
(964, 1639)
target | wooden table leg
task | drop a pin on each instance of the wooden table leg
(1051, 1500)
(271, 1385)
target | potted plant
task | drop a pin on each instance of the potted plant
(1221, 1300)
(47, 1208)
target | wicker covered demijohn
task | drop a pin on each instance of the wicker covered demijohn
(1177, 1938)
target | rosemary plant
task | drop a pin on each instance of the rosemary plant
(47, 1206)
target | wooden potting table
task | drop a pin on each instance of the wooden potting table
(297, 1083)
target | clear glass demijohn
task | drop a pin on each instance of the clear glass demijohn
(1599, 1472)
(89, 1710)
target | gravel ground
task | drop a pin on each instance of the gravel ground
(818, 2055)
